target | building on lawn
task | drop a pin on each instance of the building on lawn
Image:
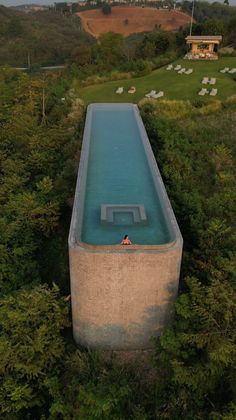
(204, 47)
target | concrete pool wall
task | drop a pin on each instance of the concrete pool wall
(122, 295)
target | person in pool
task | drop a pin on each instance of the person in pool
(126, 241)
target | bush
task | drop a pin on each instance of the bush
(116, 75)
(174, 110)
(165, 59)
(230, 102)
(94, 80)
(227, 52)
(212, 107)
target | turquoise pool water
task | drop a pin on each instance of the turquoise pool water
(118, 174)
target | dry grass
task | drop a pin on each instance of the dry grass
(130, 19)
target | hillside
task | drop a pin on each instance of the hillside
(128, 20)
(47, 36)
(44, 376)
(175, 86)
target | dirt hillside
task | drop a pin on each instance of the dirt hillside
(127, 20)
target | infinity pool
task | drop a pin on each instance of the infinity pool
(120, 177)
(121, 295)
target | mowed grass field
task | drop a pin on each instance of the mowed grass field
(175, 86)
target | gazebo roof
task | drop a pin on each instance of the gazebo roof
(204, 38)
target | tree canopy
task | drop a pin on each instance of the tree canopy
(106, 9)
(43, 374)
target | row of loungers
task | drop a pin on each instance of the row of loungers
(204, 91)
(206, 80)
(154, 94)
(182, 70)
(120, 90)
(179, 69)
(228, 70)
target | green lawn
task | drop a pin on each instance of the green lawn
(174, 85)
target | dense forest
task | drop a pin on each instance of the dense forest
(46, 37)
(191, 372)
(43, 374)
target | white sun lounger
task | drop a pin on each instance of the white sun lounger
(213, 92)
(158, 95)
(233, 70)
(178, 67)
(181, 70)
(224, 70)
(132, 89)
(205, 80)
(189, 71)
(212, 81)
(202, 92)
(150, 94)
(169, 67)
(120, 90)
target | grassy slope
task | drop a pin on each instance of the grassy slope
(175, 86)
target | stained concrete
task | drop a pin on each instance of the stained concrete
(122, 295)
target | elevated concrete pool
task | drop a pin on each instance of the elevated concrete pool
(121, 295)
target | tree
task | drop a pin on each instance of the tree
(106, 9)
(36, 170)
(196, 358)
(231, 31)
(213, 27)
(198, 353)
(14, 28)
(82, 55)
(110, 50)
(153, 44)
(62, 7)
(31, 347)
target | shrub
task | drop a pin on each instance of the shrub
(227, 52)
(116, 75)
(210, 108)
(94, 80)
(174, 110)
(165, 59)
(230, 102)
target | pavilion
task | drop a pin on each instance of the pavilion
(203, 47)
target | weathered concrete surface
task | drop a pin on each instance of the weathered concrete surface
(120, 300)
(122, 295)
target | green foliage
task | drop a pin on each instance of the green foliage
(31, 346)
(153, 44)
(211, 19)
(100, 402)
(35, 162)
(14, 27)
(42, 374)
(62, 7)
(110, 50)
(106, 9)
(204, 10)
(198, 353)
(196, 357)
(47, 37)
(213, 27)
(99, 387)
(82, 55)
